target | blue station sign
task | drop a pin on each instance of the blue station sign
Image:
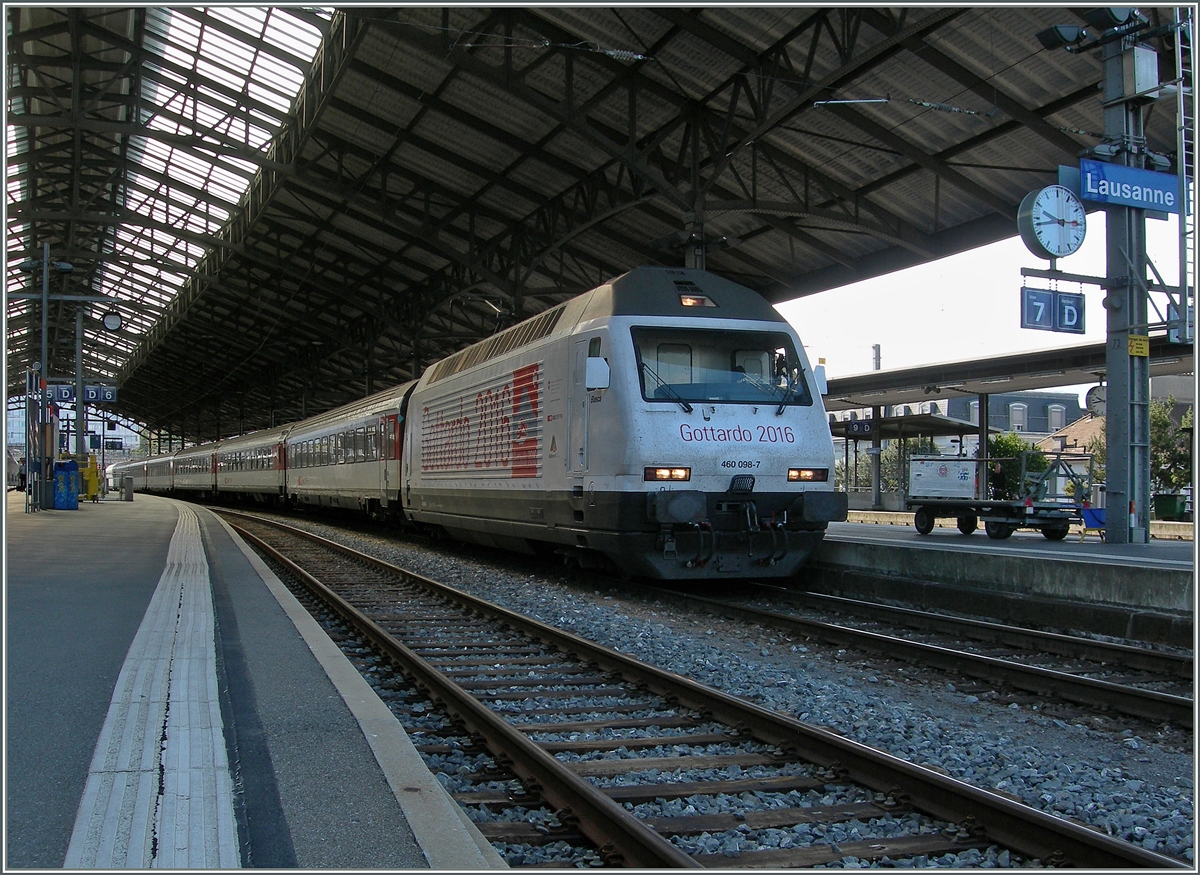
(64, 393)
(1128, 186)
(1048, 310)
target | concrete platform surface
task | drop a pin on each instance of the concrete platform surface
(1157, 576)
(170, 705)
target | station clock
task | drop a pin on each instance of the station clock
(1052, 222)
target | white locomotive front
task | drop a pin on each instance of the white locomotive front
(667, 420)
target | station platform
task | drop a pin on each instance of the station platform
(170, 705)
(1141, 591)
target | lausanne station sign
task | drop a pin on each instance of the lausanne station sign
(1128, 186)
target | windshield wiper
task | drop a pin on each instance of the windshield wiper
(671, 393)
(787, 396)
(789, 392)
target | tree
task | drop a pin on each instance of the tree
(1170, 447)
(1096, 447)
(1011, 451)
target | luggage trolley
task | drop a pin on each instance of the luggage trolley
(1049, 500)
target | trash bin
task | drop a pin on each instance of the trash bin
(1169, 506)
(66, 486)
(127, 487)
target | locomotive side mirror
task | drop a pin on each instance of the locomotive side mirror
(819, 376)
(596, 374)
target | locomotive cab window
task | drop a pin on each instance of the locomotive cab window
(704, 366)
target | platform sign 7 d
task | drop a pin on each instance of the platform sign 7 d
(1047, 310)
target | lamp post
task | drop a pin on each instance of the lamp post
(45, 488)
(1130, 81)
(46, 495)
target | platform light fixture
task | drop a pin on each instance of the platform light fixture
(1113, 22)
(1061, 36)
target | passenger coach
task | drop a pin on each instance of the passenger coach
(251, 467)
(349, 457)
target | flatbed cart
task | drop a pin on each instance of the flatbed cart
(1049, 501)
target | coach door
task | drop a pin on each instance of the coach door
(577, 411)
(385, 439)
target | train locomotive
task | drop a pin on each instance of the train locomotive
(666, 423)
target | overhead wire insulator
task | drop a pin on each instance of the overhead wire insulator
(625, 55)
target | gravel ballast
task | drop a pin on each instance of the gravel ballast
(1136, 787)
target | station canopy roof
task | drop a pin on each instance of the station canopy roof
(1017, 372)
(290, 207)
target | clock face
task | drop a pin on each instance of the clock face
(1097, 397)
(1052, 222)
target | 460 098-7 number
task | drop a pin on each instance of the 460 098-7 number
(740, 463)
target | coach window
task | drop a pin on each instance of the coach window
(372, 444)
(360, 444)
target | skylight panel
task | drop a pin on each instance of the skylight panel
(297, 36)
(251, 19)
(227, 75)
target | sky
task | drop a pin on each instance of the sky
(963, 307)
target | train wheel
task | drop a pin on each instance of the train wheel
(998, 531)
(1056, 533)
(968, 524)
(923, 519)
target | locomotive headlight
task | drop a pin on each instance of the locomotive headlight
(676, 474)
(808, 475)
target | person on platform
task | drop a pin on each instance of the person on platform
(998, 482)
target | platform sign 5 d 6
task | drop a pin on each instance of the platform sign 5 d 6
(1046, 310)
(99, 394)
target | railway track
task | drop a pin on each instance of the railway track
(1013, 649)
(577, 740)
